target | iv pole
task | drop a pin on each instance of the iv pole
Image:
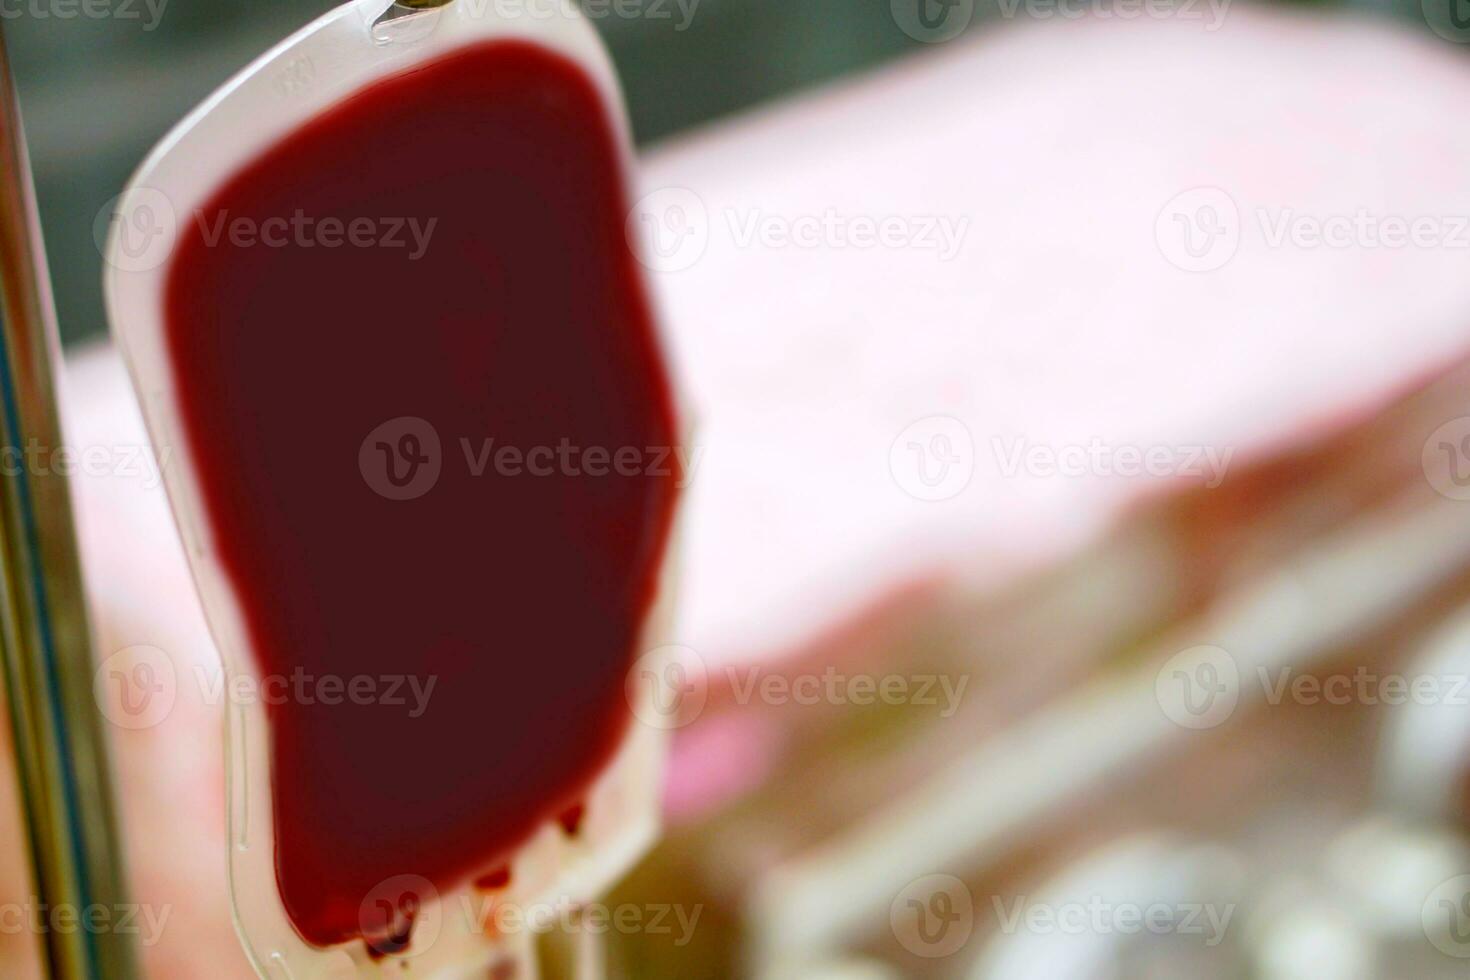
(45, 643)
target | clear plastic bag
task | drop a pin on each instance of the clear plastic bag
(309, 73)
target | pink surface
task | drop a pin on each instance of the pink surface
(1060, 319)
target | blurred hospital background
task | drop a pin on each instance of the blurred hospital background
(1085, 594)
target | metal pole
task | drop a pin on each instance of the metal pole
(61, 756)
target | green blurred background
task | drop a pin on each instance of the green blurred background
(98, 92)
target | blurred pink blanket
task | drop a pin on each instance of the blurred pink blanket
(1061, 327)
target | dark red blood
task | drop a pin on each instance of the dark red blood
(494, 880)
(526, 321)
(571, 819)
